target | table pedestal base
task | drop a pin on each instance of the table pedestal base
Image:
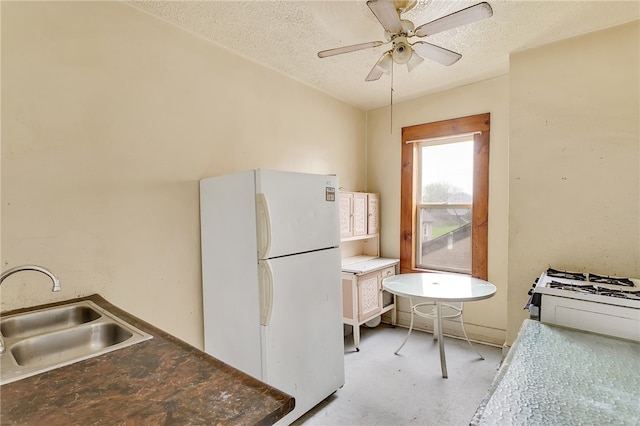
(437, 325)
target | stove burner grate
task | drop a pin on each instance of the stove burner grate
(604, 279)
(565, 274)
(592, 289)
(581, 288)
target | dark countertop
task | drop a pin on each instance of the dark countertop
(159, 381)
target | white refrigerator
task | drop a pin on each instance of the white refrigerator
(271, 280)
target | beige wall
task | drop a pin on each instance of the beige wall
(574, 151)
(564, 133)
(486, 320)
(109, 119)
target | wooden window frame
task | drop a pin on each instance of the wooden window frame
(479, 223)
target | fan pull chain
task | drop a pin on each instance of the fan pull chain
(391, 102)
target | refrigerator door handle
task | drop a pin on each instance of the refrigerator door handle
(263, 226)
(265, 278)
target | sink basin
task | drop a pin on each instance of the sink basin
(39, 322)
(50, 338)
(54, 348)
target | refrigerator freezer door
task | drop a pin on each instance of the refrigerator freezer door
(297, 212)
(303, 345)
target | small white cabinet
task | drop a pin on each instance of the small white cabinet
(363, 297)
(362, 269)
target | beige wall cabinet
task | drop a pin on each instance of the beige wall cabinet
(373, 214)
(359, 215)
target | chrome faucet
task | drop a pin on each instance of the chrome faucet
(5, 274)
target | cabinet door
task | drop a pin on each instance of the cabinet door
(360, 201)
(373, 210)
(346, 202)
(369, 300)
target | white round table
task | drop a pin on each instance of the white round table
(438, 288)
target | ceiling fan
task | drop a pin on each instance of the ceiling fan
(398, 31)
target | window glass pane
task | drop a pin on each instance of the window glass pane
(447, 173)
(445, 206)
(445, 239)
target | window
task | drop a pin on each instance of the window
(444, 196)
(444, 204)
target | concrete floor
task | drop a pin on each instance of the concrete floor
(406, 389)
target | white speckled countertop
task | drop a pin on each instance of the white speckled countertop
(559, 376)
(365, 264)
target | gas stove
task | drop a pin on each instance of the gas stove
(595, 302)
(597, 288)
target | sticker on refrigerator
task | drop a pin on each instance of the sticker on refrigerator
(330, 193)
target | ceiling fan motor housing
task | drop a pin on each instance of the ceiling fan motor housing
(404, 5)
(408, 30)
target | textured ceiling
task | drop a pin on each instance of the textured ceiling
(286, 36)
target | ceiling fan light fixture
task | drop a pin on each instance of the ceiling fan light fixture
(385, 63)
(383, 66)
(414, 61)
(401, 53)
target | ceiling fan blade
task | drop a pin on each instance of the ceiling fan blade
(383, 66)
(374, 74)
(462, 17)
(385, 11)
(436, 53)
(347, 49)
